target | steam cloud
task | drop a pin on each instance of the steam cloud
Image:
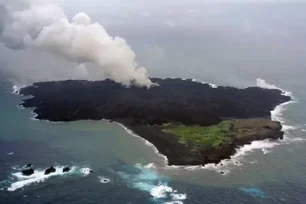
(43, 25)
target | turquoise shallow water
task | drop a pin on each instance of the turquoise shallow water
(264, 173)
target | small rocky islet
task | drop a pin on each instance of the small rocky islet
(28, 170)
(191, 123)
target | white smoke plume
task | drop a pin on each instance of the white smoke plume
(43, 25)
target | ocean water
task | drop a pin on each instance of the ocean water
(128, 170)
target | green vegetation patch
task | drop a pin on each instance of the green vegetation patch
(214, 135)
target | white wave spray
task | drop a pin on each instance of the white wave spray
(20, 181)
(148, 180)
(17, 88)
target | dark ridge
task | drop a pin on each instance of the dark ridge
(144, 110)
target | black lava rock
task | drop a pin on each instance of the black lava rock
(27, 171)
(66, 169)
(50, 170)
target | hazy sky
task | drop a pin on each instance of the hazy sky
(191, 38)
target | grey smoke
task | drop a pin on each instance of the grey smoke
(43, 25)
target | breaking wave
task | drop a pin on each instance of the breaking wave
(103, 179)
(210, 84)
(18, 180)
(263, 84)
(145, 179)
(17, 88)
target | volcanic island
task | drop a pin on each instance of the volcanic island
(189, 122)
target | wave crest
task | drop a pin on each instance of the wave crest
(147, 180)
(18, 180)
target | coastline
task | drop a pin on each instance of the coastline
(274, 112)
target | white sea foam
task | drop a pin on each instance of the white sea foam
(161, 191)
(16, 168)
(86, 171)
(218, 168)
(164, 191)
(34, 116)
(288, 127)
(17, 88)
(263, 84)
(20, 107)
(103, 179)
(213, 86)
(202, 82)
(174, 202)
(236, 160)
(150, 181)
(277, 113)
(21, 181)
(255, 145)
(265, 151)
(37, 177)
(150, 166)
(195, 80)
(288, 140)
(178, 196)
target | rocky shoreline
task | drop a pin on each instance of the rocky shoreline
(181, 155)
(182, 102)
